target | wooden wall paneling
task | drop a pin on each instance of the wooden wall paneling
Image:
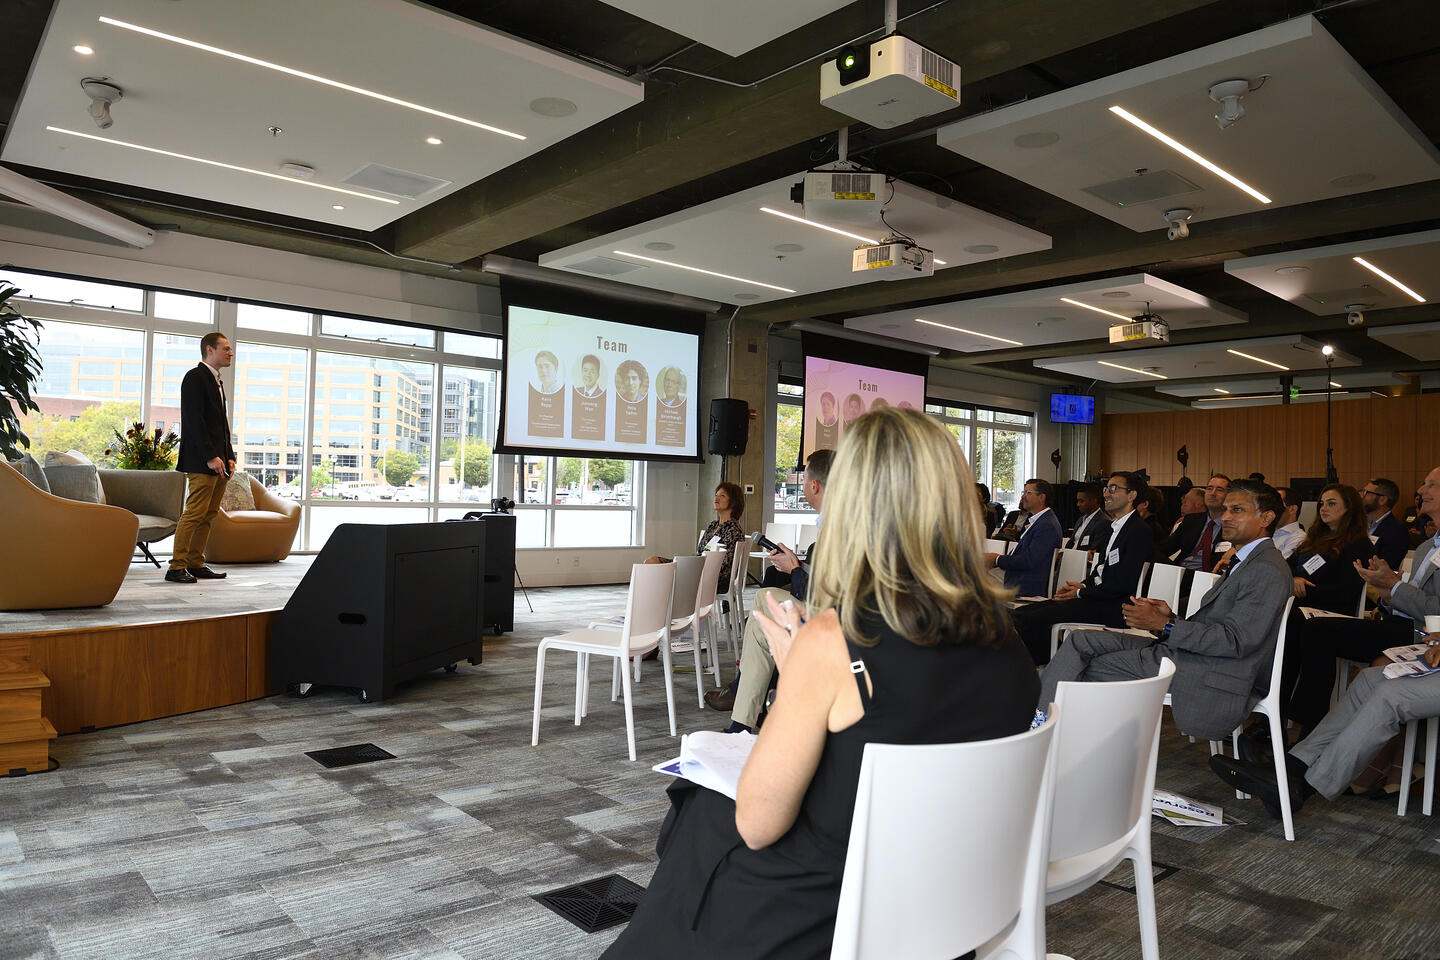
(1353, 455)
(14, 655)
(1193, 431)
(257, 653)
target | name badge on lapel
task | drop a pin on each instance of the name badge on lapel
(1313, 564)
(1112, 558)
(1222, 546)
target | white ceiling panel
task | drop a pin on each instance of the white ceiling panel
(765, 257)
(1034, 317)
(1419, 340)
(212, 107)
(1318, 127)
(1325, 280)
(733, 27)
(1309, 383)
(1232, 358)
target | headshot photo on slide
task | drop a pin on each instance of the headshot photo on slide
(632, 381)
(879, 402)
(854, 407)
(588, 376)
(547, 372)
(828, 413)
(672, 386)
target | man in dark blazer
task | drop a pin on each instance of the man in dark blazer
(1193, 544)
(1092, 526)
(1389, 535)
(1223, 653)
(1027, 567)
(206, 458)
(1111, 581)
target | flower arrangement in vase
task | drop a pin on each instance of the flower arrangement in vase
(141, 449)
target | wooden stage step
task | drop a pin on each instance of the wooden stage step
(25, 745)
(32, 680)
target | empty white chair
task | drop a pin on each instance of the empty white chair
(646, 626)
(1272, 708)
(1069, 567)
(1106, 743)
(805, 535)
(1427, 795)
(1060, 631)
(1200, 584)
(1001, 547)
(732, 598)
(688, 573)
(936, 867)
(776, 533)
(707, 617)
(1165, 581)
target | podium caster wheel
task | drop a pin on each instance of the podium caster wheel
(451, 667)
(303, 690)
(364, 696)
(472, 661)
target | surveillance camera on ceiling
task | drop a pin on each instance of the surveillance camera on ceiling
(1355, 313)
(1229, 93)
(1178, 219)
(102, 93)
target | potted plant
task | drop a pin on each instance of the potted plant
(19, 369)
(141, 449)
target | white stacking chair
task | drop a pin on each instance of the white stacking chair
(1165, 582)
(1200, 584)
(646, 626)
(805, 534)
(776, 533)
(1427, 795)
(1106, 744)
(688, 573)
(1061, 631)
(1342, 666)
(1273, 709)
(1001, 547)
(1069, 566)
(706, 625)
(935, 867)
(733, 599)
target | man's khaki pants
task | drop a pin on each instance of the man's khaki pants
(756, 663)
(202, 502)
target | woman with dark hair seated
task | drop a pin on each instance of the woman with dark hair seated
(724, 530)
(907, 640)
(1325, 579)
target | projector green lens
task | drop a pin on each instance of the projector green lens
(849, 60)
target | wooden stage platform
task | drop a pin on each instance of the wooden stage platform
(157, 650)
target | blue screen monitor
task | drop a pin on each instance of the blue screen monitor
(1071, 408)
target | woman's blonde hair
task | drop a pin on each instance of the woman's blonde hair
(903, 535)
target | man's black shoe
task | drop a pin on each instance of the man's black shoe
(179, 576)
(205, 573)
(1258, 780)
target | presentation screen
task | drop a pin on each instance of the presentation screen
(584, 378)
(1071, 408)
(839, 387)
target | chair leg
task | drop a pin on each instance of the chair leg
(695, 635)
(667, 666)
(1235, 752)
(539, 683)
(1282, 778)
(629, 713)
(1432, 730)
(1406, 766)
(145, 549)
(1145, 907)
(615, 678)
(579, 686)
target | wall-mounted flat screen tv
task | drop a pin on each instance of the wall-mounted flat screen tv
(1071, 408)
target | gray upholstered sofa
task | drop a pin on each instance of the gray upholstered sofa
(156, 497)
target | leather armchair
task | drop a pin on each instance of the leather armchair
(156, 497)
(262, 535)
(60, 553)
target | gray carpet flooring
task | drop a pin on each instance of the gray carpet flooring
(213, 836)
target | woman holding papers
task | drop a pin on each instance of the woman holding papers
(906, 640)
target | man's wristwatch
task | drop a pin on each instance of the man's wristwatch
(1169, 625)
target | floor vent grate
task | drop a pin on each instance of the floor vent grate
(349, 756)
(595, 904)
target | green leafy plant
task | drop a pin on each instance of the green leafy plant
(19, 369)
(141, 449)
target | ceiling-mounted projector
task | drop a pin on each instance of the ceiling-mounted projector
(842, 196)
(1148, 329)
(892, 259)
(889, 82)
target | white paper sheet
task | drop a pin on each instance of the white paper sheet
(711, 759)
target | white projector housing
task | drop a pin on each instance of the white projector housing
(893, 260)
(844, 196)
(1142, 332)
(906, 82)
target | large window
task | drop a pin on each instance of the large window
(270, 424)
(82, 412)
(999, 444)
(401, 472)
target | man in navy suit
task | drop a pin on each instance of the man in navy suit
(1113, 579)
(206, 458)
(1092, 527)
(1392, 542)
(1027, 567)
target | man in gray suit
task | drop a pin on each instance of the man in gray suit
(1223, 654)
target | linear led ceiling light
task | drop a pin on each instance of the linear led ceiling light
(1385, 276)
(708, 273)
(1144, 373)
(315, 78)
(1179, 147)
(1218, 390)
(1267, 363)
(1077, 303)
(224, 166)
(973, 333)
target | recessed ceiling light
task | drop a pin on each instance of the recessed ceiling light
(1292, 269)
(83, 50)
(1247, 356)
(1121, 366)
(434, 141)
(1117, 294)
(254, 61)
(337, 206)
(981, 248)
(1385, 276)
(1036, 139)
(1108, 313)
(708, 273)
(1218, 390)
(660, 245)
(553, 107)
(1179, 147)
(1253, 396)
(819, 226)
(1353, 180)
(972, 333)
(224, 166)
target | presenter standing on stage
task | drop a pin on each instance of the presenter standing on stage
(206, 458)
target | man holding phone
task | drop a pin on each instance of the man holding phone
(206, 458)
